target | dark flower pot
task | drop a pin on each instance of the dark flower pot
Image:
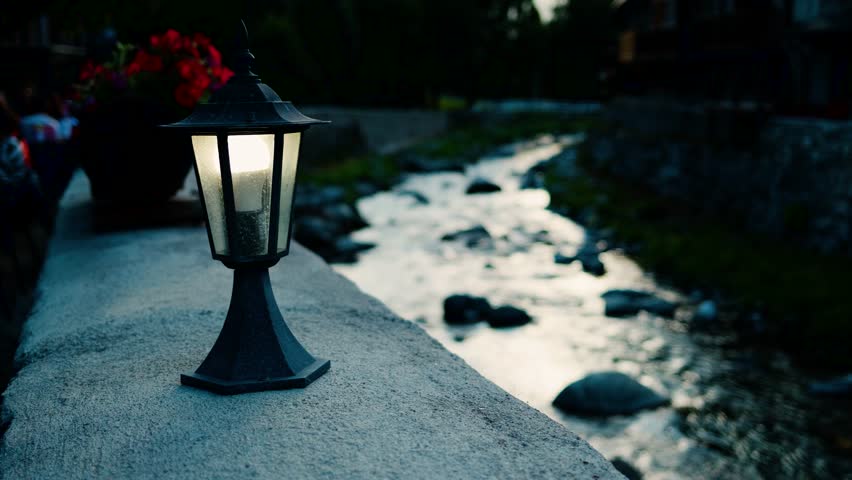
(131, 162)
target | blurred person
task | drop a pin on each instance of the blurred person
(38, 126)
(59, 110)
(20, 191)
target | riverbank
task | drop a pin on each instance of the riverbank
(737, 410)
(772, 292)
(327, 191)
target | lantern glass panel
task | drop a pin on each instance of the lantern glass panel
(207, 165)
(288, 182)
(251, 177)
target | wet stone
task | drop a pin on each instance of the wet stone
(606, 394)
(417, 196)
(625, 303)
(465, 309)
(508, 316)
(474, 237)
(626, 469)
(481, 185)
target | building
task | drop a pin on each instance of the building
(790, 55)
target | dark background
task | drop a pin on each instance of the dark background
(348, 52)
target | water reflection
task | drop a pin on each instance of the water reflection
(412, 271)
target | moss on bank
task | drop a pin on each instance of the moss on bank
(803, 294)
(455, 148)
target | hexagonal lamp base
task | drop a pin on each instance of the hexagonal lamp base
(223, 387)
(255, 350)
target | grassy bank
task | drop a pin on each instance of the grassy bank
(453, 149)
(802, 294)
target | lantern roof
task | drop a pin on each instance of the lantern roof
(245, 104)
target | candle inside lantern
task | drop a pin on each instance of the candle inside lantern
(251, 176)
(251, 159)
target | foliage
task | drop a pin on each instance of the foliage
(388, 52)
(172, 69)
(460, 145)
(803, 293)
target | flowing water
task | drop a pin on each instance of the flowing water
(734, 413)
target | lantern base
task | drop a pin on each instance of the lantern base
(223, 387)
(255, 349)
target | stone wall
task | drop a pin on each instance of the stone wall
(780, 176)
(121, 315)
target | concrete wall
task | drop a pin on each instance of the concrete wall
(783, 177)
(121, 315)
(355, 130)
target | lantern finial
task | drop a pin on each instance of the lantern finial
(244, 58)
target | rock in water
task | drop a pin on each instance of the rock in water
(465, 309)
(507, 316)
(626, 469)
(475, 237)
(624, 303)
(417, 196)
(607, 393)
(480, 185)
(563, 259)
(592, 264)
(346, 250)
(345, 216)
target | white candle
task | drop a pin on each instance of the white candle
(251, 159)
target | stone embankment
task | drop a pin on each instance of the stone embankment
(121, 315)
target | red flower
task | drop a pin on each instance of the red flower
(190, 48)
(221, 75)
(88, 71)
(171, 41)
(187, 95)
(190, 68)
(201, 81)
(214, 58)
(145, 62)
(202, 41)
(227, 73)
(133, 69)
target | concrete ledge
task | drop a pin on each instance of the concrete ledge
(122, 315)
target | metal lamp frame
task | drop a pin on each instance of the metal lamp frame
(255, 350)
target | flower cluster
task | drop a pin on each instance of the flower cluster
(172, 68)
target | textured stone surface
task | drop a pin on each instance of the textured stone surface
(780, 176)
(122, 315)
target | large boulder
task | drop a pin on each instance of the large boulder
(345, 216)
(316, 233)
(346, 250)
(465, 309)
(624, 303)
(507, 316)
(607, 393)
(481, 185)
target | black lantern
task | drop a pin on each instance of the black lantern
(246, 145)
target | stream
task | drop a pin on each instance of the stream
(734, 413)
